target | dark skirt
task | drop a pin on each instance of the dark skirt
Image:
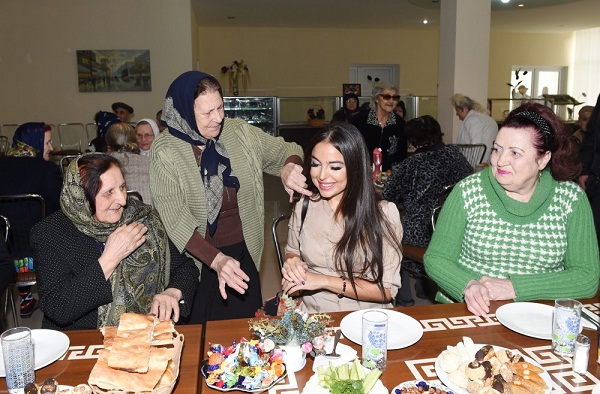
(208, 303)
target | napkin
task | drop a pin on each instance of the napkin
(347, 354)
(591, 315)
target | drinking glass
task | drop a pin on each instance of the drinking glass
(17, 351)
(374, 339)
(566, 319)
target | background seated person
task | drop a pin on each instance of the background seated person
(417, 182)
(381, 128)
(145, 132)
(103, 121)
(105, 254)
(27, 169)
(519, 229)
(348, 110)
(123, 111)
(346, 254)
(121, 144)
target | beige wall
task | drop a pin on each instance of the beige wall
(38, 71)
(313, 62)
(38, 78)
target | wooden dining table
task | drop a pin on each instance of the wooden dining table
(443, 325)
(75, 365)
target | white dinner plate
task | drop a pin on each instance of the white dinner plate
(312, 386)
(531, 319)
(48, 346)
(443, 376)
(403, 330)
(527, 318)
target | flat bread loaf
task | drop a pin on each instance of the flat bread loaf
(137, 355)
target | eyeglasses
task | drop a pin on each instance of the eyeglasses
(395, 97)
(351, 101)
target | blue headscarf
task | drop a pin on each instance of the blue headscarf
(215, 166)
(32, 134)
(104, 120)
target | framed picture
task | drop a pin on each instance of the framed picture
(351, 88)
(114, 70)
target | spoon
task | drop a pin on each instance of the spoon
(333, 354)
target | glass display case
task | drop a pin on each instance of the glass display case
(292, 111)
(258, 111)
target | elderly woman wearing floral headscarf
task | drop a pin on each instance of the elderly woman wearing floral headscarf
(145, 132)
(206, 175)
(26, 169)
(104, 254)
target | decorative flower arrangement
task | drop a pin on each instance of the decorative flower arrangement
(294, 326)
(236, 71)
(372, 80)
(320, 114)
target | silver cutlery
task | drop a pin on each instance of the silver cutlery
(336, 339)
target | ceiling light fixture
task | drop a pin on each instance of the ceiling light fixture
(521, 5)
(505, 1)
(425, 21)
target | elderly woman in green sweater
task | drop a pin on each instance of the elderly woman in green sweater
(520, 229)
(206, 179)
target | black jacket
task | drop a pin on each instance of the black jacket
(70, 280)
(590, 147)
(391, 139)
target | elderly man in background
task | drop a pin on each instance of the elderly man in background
(589, 154)
(477, 127)
(584, 116)
(123, 111)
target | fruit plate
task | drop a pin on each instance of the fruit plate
(419, 386)
(245, 390)
(312, 386)
(443, 376)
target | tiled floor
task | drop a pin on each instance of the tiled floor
(276, 203)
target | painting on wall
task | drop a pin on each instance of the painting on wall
(351, 88)
(114, 70)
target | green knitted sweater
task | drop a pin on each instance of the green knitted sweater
(178, 192)
(547, 247)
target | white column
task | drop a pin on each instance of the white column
(464, 57)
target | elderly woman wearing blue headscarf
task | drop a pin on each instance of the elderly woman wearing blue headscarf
(26, 169)
(206, 178)
(103, 121)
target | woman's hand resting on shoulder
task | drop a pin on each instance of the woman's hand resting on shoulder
(120, 244)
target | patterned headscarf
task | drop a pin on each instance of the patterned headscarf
(104, 121)
(215, 167)
(139, 276)
(28, 140)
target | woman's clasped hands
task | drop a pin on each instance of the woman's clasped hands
(478, 294)
(296, 276)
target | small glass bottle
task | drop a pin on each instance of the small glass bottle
(581, 354)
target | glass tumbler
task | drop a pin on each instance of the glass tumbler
(566, 319)
(17, 351)
(374, 339)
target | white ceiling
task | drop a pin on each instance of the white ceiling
(541, 16)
